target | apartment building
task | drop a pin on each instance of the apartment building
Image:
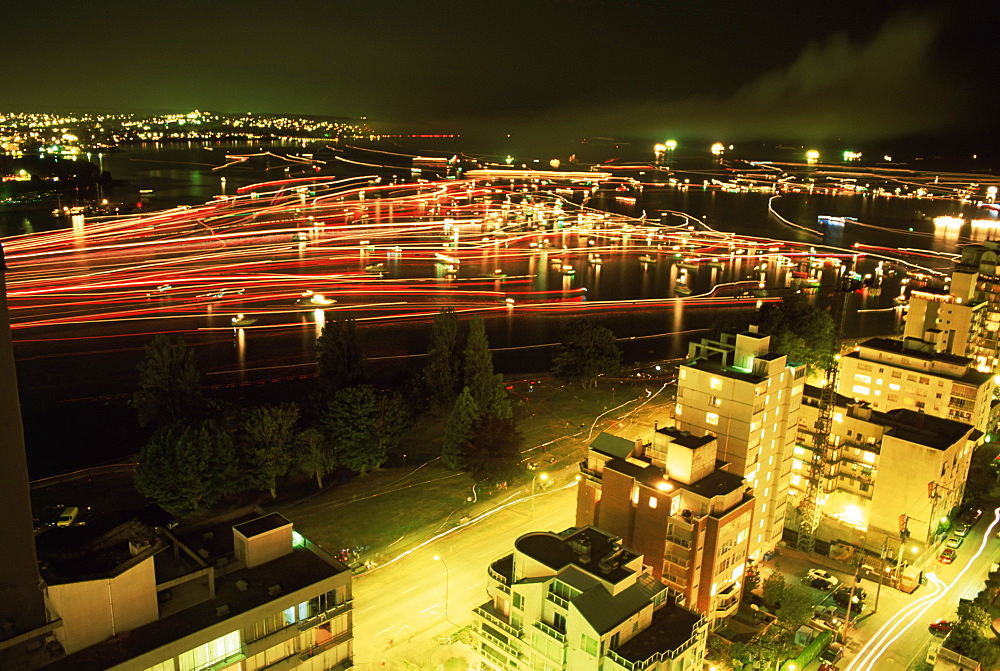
(953, 323)
(672, 501)
(886, 467)
(154, 599)
(579, 600)
(748, 398)
(917, 375)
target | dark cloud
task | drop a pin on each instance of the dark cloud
(890, 85)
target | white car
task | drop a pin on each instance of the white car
(821, 579)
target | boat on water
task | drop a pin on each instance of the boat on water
(567, 270)
(241, 320)
(311, 299)
(554, 296)
(682, 290)
(376, 268)
(497, 274)
(646, 258)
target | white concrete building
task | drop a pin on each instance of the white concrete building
(748, 398)
(579, 601)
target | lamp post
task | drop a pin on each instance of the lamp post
(540, 476)
(446, 572)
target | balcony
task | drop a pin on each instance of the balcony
(557, 600)
(496, 619)
(332, 643)
(493, 640)
(502, 570)
(550, 631)
(327, 615)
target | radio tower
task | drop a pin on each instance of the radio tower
(819, 465)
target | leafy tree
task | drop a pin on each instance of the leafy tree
(351, 423)
(478, 363)
(773, 588)
(796, 607)
(169, 384)
(764, 651)
(458, 430)
(493, 452)
(982, 477)
(339, 356)
(587, 352)
(442, 371)
(187, 467)
(314, 455)
(270, 433)
(802, 331)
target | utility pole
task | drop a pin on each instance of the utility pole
(881, 572)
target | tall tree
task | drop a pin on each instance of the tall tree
(498, 404)
(187, 466)
(478, 363)
(587, 352)
(458, 430)
(169, 384)
(493, 452)
(801, 330)
(351, 423)
(339, 356)
(773, 588)
(270, 433)
(392, 417)
(796, 607)
(314, 455)
(442, 371)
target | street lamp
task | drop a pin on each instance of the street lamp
(446, 572)
(539, 476)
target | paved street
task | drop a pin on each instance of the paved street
(896, 636)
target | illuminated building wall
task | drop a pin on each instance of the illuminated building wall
(746, 396)
(884, 465)
(672, 501)
(888, 373)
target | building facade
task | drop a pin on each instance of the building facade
(579, 600)
(916, 375)
(748, 398)
(892, 471)
(672, 501)
(145, 599)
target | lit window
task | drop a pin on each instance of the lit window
(870, 457)
(799, 450)
(838, 417)
(893, 386)
(675, 505)
(796, 479)
(679, 409)
(712, 418)
(863, 378)
(635, 494)
(715, 383)
(737, 571)
(859, 389)
(652, 501)
(878, 381)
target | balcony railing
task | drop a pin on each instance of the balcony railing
(494, 620)
(326, 645)
(490, 638)
(329, 614)
(557, 600)
(550, 631)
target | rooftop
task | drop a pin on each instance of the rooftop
(587, 548)
(612, 446)
(604, 611)
(717, 483)
(671, 628)
(684, 438)
(927, 430)
(262, 525)
(713, 363)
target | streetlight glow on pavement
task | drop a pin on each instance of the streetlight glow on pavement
(899, 623)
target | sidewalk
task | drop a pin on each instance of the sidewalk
(442, 647)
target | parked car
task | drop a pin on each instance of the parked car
(962, 530)
(68, 516)
(820, 579)
(954, 542)
(948, 556)
(827, 667)
(972, 515)
(943, 626)
(832, 654)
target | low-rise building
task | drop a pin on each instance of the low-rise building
(673, 501)
(579, 600)
(248, 596)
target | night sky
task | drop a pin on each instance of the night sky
(658, 68)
